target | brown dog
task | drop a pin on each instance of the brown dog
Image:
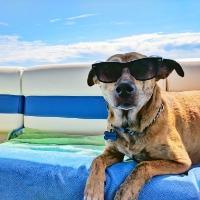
(159, 130)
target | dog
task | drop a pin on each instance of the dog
(160, 130)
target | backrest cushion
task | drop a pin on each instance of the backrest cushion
(57, 98)
(191, 80)
(11, 99)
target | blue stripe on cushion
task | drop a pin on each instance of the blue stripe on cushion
(11, 103)
(84, 107)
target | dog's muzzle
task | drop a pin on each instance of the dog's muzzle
(125, 95)
(125, 89)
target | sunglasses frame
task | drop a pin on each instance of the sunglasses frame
(127, 65)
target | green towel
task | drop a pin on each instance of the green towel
(34, 136)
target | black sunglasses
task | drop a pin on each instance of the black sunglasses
(141, 69)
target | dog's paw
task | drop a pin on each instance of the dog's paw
(94, 191)
(125, 194)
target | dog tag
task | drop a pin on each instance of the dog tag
(110, 135)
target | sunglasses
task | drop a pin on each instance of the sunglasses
(141, 69)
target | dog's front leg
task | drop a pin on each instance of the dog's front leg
(94, 189)
(144, 171)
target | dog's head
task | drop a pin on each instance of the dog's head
(130, 85)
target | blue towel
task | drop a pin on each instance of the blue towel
(168, 187)
(51, 175)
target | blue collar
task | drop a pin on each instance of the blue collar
(112, 135)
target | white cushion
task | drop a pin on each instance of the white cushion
(10, 80)
(65, 80)
(191, 80)
(11, 116)
(10, 122)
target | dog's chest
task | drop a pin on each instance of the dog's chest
(132, 146)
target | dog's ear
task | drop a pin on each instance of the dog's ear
(167, 67)
(90, 80)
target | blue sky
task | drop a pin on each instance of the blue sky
(75, 27)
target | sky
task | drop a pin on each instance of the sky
(35, 32)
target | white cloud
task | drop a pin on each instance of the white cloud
(69, 23)
(55, 20)
(81, 16)
(3, 24)
(14, 50)
(70, 20)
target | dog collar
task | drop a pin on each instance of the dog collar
(127, 131)
(157, 115)
(112, 134)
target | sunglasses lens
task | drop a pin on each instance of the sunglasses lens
(144, 69)
(107, 72)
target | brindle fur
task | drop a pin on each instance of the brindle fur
(169, 146)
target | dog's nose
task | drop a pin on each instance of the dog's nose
(125, 89)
